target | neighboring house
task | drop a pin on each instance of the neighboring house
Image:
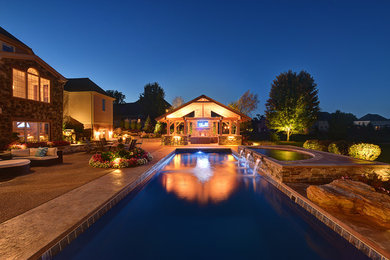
(129, 112)
(322, 122)
(377, 121)
(89, 104)
(31, 93)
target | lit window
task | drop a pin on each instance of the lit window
(19, 83)
(104, 104)
(32, 87)
(45, 90)
(32, 131)
(33, 71)
(8, 48)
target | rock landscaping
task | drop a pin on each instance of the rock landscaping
(352, 197)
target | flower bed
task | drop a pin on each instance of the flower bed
(120, 159)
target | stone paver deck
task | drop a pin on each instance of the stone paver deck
(42, 184)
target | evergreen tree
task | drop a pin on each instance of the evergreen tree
(148, 125)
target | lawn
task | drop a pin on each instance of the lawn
(385, 154)
(293, 143)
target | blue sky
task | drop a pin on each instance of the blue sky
(218, 48)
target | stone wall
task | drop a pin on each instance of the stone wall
(170, 140)
(318, 174)
(230, 140)
(13, 109)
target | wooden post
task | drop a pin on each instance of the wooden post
(174, 127)
(230, 127)
(220, 127)
(238, 128)
(185, 127)
(168, 128)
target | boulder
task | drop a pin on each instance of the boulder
(352, 197)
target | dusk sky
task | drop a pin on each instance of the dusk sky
(217, 48)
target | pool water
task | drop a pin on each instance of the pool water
(283, 155)
(206, 206)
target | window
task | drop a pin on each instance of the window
(19, 83)
(104, 104)
(31, 131)
(32, 87)
(37, 88)
(45, 90)
(7, 48)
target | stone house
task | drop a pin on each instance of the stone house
(89, 104)
(31, 93)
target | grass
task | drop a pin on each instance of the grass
(385, 154)
(293, 143)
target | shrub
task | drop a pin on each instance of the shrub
(339, 147)
(316, 145)
(365, 151)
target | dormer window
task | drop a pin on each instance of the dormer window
(7, 48)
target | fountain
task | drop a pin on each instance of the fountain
(258, 161)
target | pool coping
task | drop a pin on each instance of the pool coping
(368, 247)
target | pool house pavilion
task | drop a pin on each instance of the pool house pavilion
(203, 121)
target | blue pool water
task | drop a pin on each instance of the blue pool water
(205, 206)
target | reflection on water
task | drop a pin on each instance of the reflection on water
(201, 178)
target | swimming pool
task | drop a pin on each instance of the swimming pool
(283, 155)
(206, 206)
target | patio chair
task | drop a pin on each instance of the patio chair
(139, 143)
(132, 144)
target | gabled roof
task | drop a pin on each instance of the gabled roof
(372, 117)
(83, 84)
(13, 38)
(205, 98)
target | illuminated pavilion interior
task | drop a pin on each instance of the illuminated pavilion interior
(203, 121)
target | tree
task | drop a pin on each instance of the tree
(339, 124)
(148, 125)
(152, 100)
(293, 103)
(119, 96)
(158, 128)
(177, 102)
(246, 104)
